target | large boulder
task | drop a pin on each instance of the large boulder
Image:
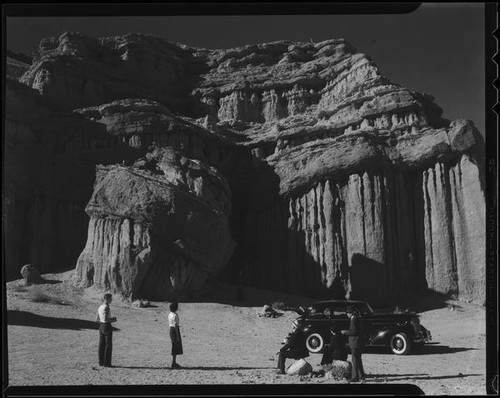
(338, 370)
(30, 274)
(299, 368)
(157, 228)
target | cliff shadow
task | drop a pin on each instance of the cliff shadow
(259, 225)
(422, 302)
(430, 300)
(279, 243)
(336, 291)
(272, 265)
(368, 282)
(247, 296)
(306, 273)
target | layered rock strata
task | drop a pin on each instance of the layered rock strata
(77, 71)
(354, 157)
(342, 183)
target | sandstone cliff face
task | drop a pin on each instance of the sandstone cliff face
(341, 182)
(75, 70)
(352, 152)
(453, 236)
(378, 234)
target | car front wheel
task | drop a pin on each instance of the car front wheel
(400, 344)
(315, 343)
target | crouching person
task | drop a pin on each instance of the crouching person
(294, 348)
(336, 350)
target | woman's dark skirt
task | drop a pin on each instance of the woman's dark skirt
(176, 341)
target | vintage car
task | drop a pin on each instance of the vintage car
(401, 332)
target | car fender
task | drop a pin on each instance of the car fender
(384, 335)
(323, 331)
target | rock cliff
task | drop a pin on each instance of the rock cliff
(16, 64)
(76, 71)
(330, 179)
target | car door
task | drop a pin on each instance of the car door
(339, 316)
(322, 322)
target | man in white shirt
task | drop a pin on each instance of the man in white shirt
(105, 331)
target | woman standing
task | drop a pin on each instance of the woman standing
(175, 334)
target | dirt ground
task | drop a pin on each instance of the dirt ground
(52, 340)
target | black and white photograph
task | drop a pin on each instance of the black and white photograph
(246, 196)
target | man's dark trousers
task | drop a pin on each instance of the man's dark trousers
(284, 354)
(105, 343)
(357, 364)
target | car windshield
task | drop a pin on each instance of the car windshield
(338, 309)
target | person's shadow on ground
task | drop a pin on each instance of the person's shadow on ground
(25, 318)
(197, 367)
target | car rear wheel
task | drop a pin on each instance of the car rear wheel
(315, 343)
(400, 344)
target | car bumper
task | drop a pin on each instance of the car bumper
(423, 336)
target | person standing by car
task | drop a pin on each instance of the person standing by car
(294, 348)
(336, 350)
(356, 343)
(105, 331)
(175, 334)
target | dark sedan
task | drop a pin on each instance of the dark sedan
(400, 332)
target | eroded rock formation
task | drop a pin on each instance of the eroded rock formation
(74, 70)
(157, 228)
(341, 182)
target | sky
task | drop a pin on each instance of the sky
(437, 49)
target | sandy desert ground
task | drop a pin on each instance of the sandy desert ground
(225, 342)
